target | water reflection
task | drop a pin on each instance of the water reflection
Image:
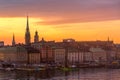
(82, 74)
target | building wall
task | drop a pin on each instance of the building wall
(74, 57)
(21, 55)
(118, 54)
(59, 55)
(2, 55)
(111, 55)
(37, 45)
(13, 54)
(47, 54)
(98, 56)
(79, 57)
(34, 58)
(88, 57)
(108, 56)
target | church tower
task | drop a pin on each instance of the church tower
(36, 37)
(27, 34)
(13, 41)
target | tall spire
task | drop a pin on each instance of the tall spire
(13, 41)
(27, 34)
(27, 26)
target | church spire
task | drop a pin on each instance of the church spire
(27, 26)
(13, 41)
(27, 34)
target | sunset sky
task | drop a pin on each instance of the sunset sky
(83, 20)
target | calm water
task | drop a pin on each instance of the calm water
(82, 74)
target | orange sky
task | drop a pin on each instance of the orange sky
(82, 20)
(99, 30)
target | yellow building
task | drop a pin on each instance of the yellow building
(16, 54)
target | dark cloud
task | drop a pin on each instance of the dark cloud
(70, 10)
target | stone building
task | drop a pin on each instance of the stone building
(33, 55)
(59, 55)
(99, 54)
(17, 54)
(47, 55)
(78, 56)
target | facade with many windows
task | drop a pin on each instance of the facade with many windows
(59, 55)
(16, 54)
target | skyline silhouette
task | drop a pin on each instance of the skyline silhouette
(78, 19)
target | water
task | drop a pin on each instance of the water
(82, 74)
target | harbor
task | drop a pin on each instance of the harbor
(81, 74)
(43, 67)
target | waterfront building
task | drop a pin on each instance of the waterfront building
(10, 54)
(20, 55)
(98, 54)
(87, 57)
(59, 56)
(47, 55)
(71, 51)
(118, 51)
(33, 55)
(46, 50)
(79, 56)
(74, 56)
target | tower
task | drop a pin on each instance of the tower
(27, 33)
(36, 37)
(13, 40)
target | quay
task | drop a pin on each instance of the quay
(36, 67)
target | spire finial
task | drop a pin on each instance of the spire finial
(27, 26)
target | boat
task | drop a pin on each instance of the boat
(9, 69)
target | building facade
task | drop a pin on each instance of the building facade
(16, 54)
(47, 55)
(98, 54)
(76, 56)
(59, 56)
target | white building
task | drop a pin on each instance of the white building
(75, 56)
(98, 54)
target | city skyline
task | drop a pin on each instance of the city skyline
(81, 21)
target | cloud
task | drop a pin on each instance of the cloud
(81, 10)
(72, 21)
